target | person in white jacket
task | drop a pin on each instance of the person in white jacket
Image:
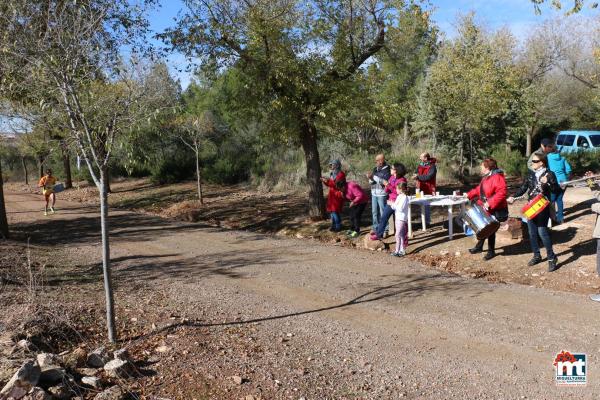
(400, 207)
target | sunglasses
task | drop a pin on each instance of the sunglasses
(536, 161)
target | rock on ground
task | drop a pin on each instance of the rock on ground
(51, 374)
(76, 359)
(23, 381)
(91, 381)
(113, 393)
(46, 359)
(118, 368)
(37, 394)
(60, 392)
(97, 358)
(373, 244)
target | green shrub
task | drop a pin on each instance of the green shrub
(582, 161)
(512, 162)
(176, 168)
(228, 169)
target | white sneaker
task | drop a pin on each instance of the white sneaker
(45, 213)
(52, 210)
(595, 297)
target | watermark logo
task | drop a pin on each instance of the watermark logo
(571, 368)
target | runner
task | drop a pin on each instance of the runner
(47, 183)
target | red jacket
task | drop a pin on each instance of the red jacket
(335, 198)
(426, 173)
(494, 189)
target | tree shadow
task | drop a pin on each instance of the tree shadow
(524, 247)
(579, 210)
(83, 230)
(586, 248)
(409, 286)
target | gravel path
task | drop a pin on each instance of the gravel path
(333, 322)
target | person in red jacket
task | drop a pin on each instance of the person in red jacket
(426, 173)
(425, 179)
(491, 194)
(335, 199)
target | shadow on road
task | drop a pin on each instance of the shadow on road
(409, 286)
(83, 230)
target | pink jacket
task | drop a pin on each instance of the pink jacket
(391, 187)
(355, 193)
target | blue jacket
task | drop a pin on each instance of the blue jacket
(559, 165)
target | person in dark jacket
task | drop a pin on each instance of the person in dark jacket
(335, 198)
(491, 195)
(380, 174)
(540, 180)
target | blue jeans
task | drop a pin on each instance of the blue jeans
(560, 207)
(378, 204)
(427, 214)
(336, 221)
(538, 228)
(383, 222)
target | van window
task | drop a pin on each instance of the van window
(595, 139)
(565, 140)
(582, 142)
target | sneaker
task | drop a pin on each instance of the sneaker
(595, 297)
(401, 253)
(52, 210)
(374, 236)
(395, 254)
(552, 265)
(45, 213)
(489, 255)
(535, 260)
(353, 234)
(476, 250)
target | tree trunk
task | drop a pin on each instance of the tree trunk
(108, 190)
(41, 162)
(316, 201)
(199, 178)
(3, 219)
(471, 150)
(530, 134)
(25, 172)
(405, 131)
(67, 167)
(108, 291)
(462, 155)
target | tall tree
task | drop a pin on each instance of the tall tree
(68, 54)
(295, 58)
(471, 82)
(3, 219)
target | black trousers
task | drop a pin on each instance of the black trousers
(356, 212)
(491, 243)
(501, 215)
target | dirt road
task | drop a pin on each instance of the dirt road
(317, 321)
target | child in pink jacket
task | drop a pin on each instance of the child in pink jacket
(358, 199)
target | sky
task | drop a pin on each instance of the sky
(518, 15)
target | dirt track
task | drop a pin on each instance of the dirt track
(357, 324)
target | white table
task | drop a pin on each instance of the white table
(436, 201)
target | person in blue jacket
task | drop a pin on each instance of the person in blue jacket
(562, 169)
